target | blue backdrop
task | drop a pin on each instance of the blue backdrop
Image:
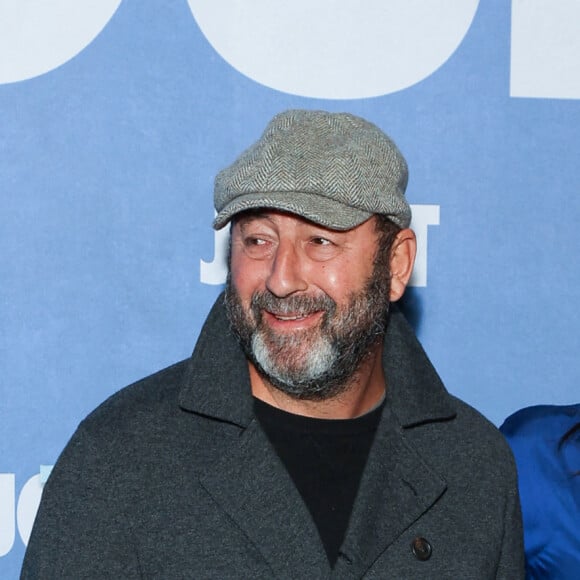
(116, 115)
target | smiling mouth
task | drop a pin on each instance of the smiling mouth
(285, 317)
(294, 317)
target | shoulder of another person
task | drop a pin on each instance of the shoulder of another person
(535, 421)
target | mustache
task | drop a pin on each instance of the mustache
(301, 305)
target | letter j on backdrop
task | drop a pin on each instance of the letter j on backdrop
(19, 514)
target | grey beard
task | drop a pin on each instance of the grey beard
(332, 354)
(315, 364)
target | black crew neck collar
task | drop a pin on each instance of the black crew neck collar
(291, 421)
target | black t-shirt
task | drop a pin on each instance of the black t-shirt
(325, 458)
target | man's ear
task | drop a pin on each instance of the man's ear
(403, 253)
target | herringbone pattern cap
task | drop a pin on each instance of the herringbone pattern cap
(334, 169)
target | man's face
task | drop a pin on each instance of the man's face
(308, 303)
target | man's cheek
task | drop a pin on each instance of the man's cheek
(253, 314)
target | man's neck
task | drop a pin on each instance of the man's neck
(364, 391)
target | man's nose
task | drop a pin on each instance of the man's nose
(287, 272)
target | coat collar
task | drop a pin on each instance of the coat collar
(217, 382)
(249, 482)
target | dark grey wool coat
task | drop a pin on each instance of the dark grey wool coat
(173, 478)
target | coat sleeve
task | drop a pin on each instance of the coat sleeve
(79, 532)
(512, 562)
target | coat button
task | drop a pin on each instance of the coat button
(421, 548)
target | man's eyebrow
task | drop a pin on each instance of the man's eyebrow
(249, 218)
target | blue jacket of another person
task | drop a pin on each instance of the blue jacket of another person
(549, 481)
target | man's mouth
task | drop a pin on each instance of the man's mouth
(285, 317)
(292, 320)
(292, 313)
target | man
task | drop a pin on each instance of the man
(308, 436)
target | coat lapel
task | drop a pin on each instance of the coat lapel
(250, 483)
(397, 487)
(247, 479)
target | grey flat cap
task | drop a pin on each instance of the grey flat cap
(334, 169)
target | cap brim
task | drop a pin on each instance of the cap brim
(318, 209)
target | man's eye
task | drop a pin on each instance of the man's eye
(257, 247)
(321, 241)
(251, 241)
